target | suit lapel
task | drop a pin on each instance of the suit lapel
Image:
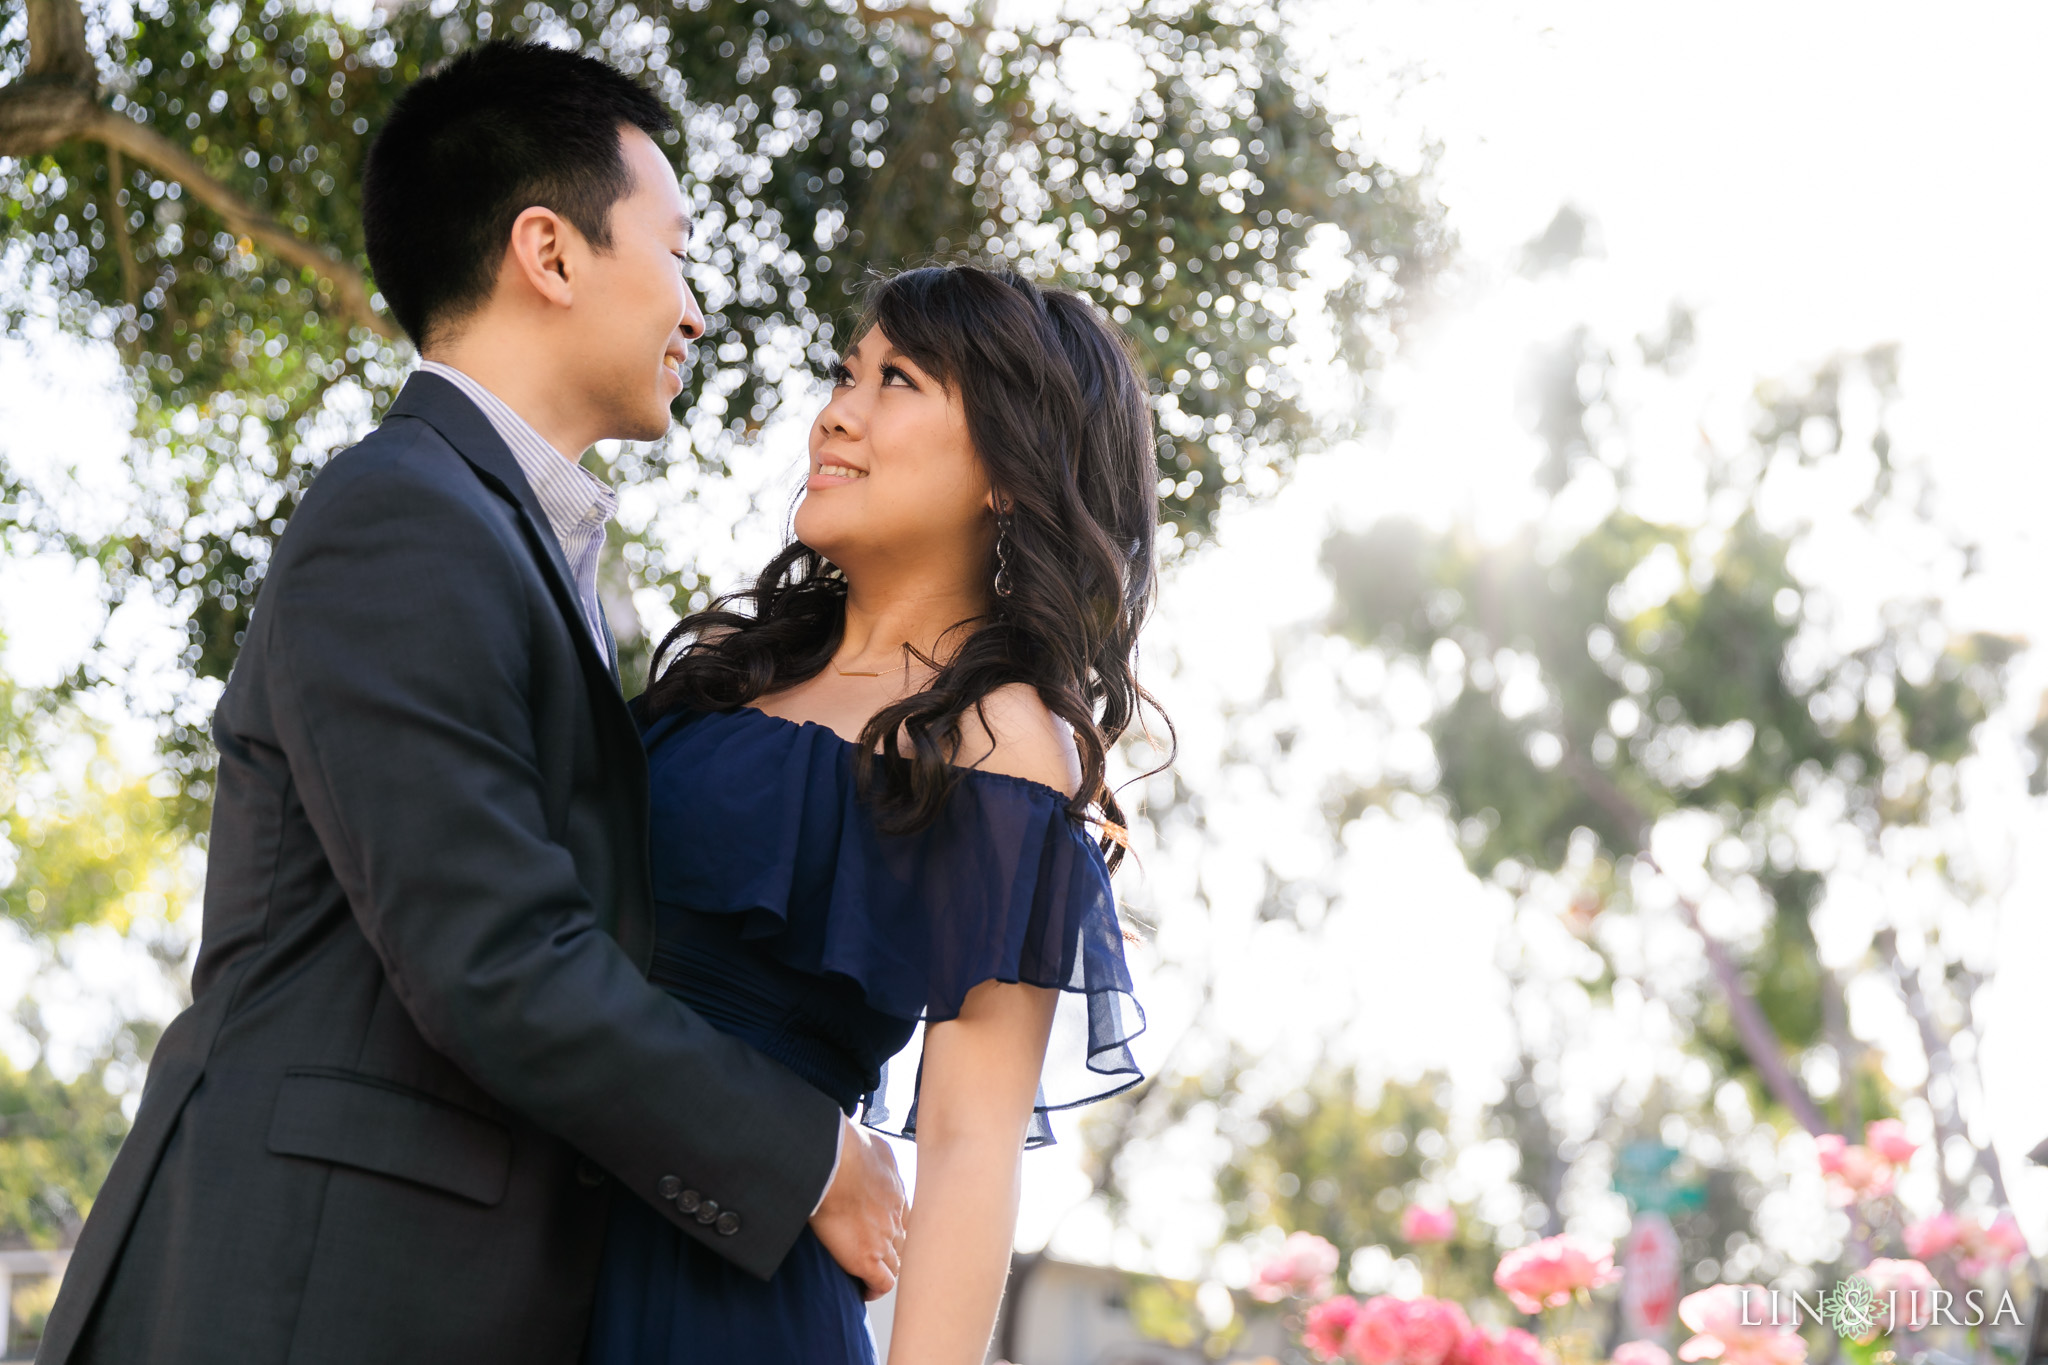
(611, 646)
(442, 406)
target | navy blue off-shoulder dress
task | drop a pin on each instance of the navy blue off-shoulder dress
(787, 919)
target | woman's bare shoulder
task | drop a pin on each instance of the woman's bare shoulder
(1014, 732)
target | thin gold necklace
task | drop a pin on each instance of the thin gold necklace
(863, 673)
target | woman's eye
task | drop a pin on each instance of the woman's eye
(892, 375)
(840, 375)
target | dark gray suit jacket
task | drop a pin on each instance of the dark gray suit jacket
(422, 1033)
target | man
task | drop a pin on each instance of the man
(423, 1056)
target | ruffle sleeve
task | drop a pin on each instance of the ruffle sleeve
(1003, 887)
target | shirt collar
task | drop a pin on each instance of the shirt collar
(573, 498)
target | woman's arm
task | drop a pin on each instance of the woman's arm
(980, 1080)
(974, 1103)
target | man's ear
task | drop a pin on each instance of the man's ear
(537, 256)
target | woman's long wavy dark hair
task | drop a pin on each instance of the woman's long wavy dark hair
(1057, 415)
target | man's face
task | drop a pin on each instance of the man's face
(634, 314)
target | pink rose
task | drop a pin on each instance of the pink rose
(1931, 1236)
(1473, 1348)
(1989, 1248)
(1301, 1268)
(1716, 1317)
(1641, 1353)
(1887, 1138)
(2004, 1238)
(1499, 1346)
(1858, 1174)
(1420, 1225)
(1906, 1291)
(1513, 1346)
(1328, 1323)
(1549, 1272)
(1829, 1148)
(1391, 1331)
(1980, 1249)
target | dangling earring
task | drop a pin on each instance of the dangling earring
(1003, 586)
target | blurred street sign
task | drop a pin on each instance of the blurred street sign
(1642, 1175)
(1649, 1280)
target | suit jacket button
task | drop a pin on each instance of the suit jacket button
(688, 1201)
(707, 1213)
(668, 1187)
(588, 1173)
(728, 1224)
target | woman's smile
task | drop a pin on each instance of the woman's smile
(831, 474)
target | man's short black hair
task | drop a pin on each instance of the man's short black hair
(469, 147)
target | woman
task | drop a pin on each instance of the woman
(878, 797)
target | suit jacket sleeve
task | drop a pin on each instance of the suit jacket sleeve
(399, 634)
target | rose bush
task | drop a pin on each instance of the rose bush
(1978, 1247)
(1547, 1276)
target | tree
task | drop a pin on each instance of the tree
(57, 1139)
(1641, 681)
(82, 844)
(185, 184)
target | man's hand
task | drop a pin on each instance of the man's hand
(861, 1219)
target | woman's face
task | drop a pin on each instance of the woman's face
(894, 480)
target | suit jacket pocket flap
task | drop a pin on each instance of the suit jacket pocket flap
(376, 1125)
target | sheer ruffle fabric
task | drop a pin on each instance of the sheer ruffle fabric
(1004, 887)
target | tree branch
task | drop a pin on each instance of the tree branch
(1940, 1061)
(55, 104)
(117, 210)
(159, 153)
(1834, 1009)
(1965, 985)
(919, 15)
(1759, 1039)
(56, 44)
(1606, 795)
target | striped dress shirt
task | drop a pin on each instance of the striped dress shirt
(577, 502)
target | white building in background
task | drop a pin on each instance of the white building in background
(29, 1277)
(1060, 1313)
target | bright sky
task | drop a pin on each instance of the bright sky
(1810, 177)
